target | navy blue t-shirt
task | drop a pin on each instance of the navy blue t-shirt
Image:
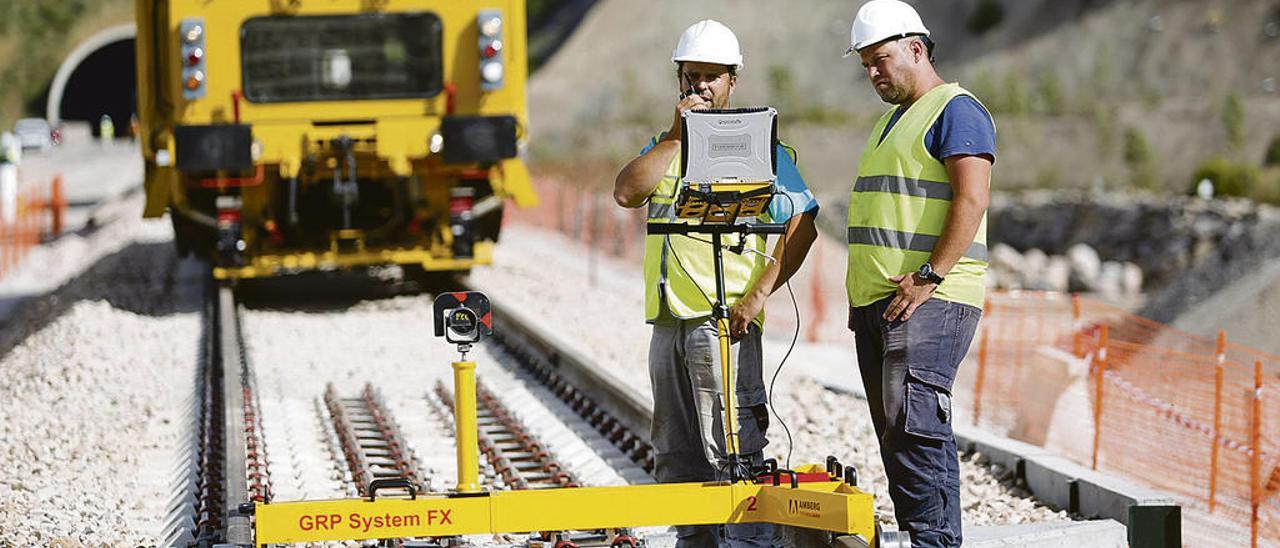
(963, 129)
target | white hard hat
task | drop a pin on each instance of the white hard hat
(708, 41)
(880, 20)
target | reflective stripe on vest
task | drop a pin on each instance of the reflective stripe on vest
(884, 237)
(898, 208)
(902, 185)
(661, 211)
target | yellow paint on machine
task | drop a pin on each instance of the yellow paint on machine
(271, 265)
(832, 506)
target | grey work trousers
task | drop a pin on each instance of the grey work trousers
(688, 426)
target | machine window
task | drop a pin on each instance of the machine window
(339, 58)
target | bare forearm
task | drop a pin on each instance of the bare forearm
(640, 176)
(970, 182)
(958, 232)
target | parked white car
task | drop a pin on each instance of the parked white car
(34, 133)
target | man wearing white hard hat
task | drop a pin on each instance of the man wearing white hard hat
(917, 258)
(684, 357)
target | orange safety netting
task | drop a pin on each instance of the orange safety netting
(590, 217)
(35, 212)
(1121, 393)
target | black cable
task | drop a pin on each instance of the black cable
(794, 337)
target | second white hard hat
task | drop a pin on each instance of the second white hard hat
(708, 41)
(880, 20)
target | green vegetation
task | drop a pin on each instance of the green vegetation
(1272, 157)
(795, 109)
(1053, 100)
(634, 109)
(1233, 122)
(537, 9)
(987, 15)
(1010, 94)
(34, 37)
(1139, 158)
(1103, 77)
(36, 19)
(782, 92)
(983, 85)
(1229, 178)
(1104, 122)
(1049, 175)
(1017, 100)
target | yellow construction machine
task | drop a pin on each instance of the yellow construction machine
(290, 135)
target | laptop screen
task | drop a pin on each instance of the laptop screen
(729, 145)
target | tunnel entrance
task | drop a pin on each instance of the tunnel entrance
(98, 77)
(105, 82)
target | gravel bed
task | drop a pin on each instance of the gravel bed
(543, 273)
(94, 380)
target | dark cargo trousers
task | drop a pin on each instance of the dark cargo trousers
(908, 369)
(688, 425)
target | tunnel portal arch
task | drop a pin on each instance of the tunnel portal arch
(97, 77)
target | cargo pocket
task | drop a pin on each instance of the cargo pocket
(928, 409)
(749, 359)
(751, 430)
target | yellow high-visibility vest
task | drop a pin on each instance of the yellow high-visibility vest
(898, 208)
(679, 270)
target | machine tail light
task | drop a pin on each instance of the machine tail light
(490, 43)
(192, 32)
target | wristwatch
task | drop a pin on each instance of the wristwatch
(927, 274)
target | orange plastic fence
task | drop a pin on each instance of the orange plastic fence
(38, 215)
(1186, 414)
(589, 217)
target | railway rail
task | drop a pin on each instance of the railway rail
(371, 442)
(514, 454)
(603, 400)
(229, 464)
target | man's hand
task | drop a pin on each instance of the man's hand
(912, 292)
(742, 312)
(692, 102)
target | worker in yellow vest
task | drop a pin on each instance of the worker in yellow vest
(684, 357)
(917, 258)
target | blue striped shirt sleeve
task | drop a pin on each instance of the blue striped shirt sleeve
(653, 141)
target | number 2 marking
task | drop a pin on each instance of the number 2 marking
(751, 504)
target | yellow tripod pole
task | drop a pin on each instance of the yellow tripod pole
(729, 387)
(465, 427)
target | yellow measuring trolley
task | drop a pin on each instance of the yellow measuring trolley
(738, 142)
(830, 505)
(813, 496)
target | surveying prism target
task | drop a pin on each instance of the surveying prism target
(463, 317)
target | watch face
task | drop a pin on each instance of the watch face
(926, 272)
